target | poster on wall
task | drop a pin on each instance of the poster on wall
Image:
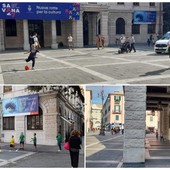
(19, 106)
(40, 11)
(144, 17)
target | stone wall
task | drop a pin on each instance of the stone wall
(135, 113)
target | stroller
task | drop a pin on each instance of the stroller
(125, 47)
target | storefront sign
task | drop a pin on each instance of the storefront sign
(18, 106)
(40, 11)
(144, 17)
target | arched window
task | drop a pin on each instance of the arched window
(35, 122)
(120, 26)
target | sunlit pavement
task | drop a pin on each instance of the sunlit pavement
(87, 66)
(45, 156)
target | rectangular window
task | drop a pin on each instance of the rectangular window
(117, 117)
(117, 108)
(136, 29)
(11, 27)
(151, 118)
(35, 122)
(152, 4)
(7, 89)
(120, 3)
(109, 109)
(135, 3)
(58, 27)
(117, 98)
(151, 28)
(9, 123)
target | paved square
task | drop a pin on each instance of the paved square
(87, 66)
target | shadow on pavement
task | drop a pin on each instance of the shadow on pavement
(157, 72)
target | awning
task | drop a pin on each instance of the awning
(65, 119)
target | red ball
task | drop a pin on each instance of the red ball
(27, 67)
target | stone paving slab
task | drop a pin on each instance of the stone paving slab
(65, 76)
(101, 165)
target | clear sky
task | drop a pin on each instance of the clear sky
(96, 92)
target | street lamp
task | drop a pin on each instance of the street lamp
(101, 94)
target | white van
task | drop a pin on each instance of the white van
(161, 44)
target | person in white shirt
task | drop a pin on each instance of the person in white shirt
(36, 42)
(132, 41)
(168, 46)
(70, 42)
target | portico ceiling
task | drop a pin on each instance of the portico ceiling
(157, 97)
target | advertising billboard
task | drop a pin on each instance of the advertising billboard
(18, 106)
(40, 11)
(144, 17)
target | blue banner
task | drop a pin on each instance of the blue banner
(144, 17)
(18, 106)
(40, 11)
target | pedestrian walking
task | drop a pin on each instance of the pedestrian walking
(34, 140)
(156, 134)
(75, 143)
(59, 140)
(132, 42)
(32, 55)
(148, 42)
(122, 40)
(98, 41)
(70, 42)
(36, 41)
(21, 139)
(161, 137)
(12, 143)
(168, 47)
(103, 40)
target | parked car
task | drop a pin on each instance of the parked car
(161, 44)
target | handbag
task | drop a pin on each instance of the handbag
(67, 146)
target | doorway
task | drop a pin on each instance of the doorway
(85, 29)
(36, 26)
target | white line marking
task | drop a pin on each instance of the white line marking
(102, 141)
(120, 164)
(96, 149)
(101, 161)
(160, 157)
(97, 74)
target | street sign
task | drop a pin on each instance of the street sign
(18, 106)
(40, 11)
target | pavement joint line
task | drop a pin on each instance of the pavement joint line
(107, 64)
(159, 157)
(101, 161)
(94, 149)
(22, 156)
(158, 149)
(128, 81)
(102, 141)
(120, 164)
(94, 73)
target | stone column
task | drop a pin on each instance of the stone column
(26, 36)
(104, 26)
(2, 35)
(134, 125)
(54, 44)
(77, 31)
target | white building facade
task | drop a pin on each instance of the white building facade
(58, 111)
(108, 19)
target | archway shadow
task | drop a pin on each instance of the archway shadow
(157, 72)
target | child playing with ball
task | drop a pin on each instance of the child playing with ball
(32, 55)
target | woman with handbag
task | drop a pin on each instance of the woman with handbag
(74, 143)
